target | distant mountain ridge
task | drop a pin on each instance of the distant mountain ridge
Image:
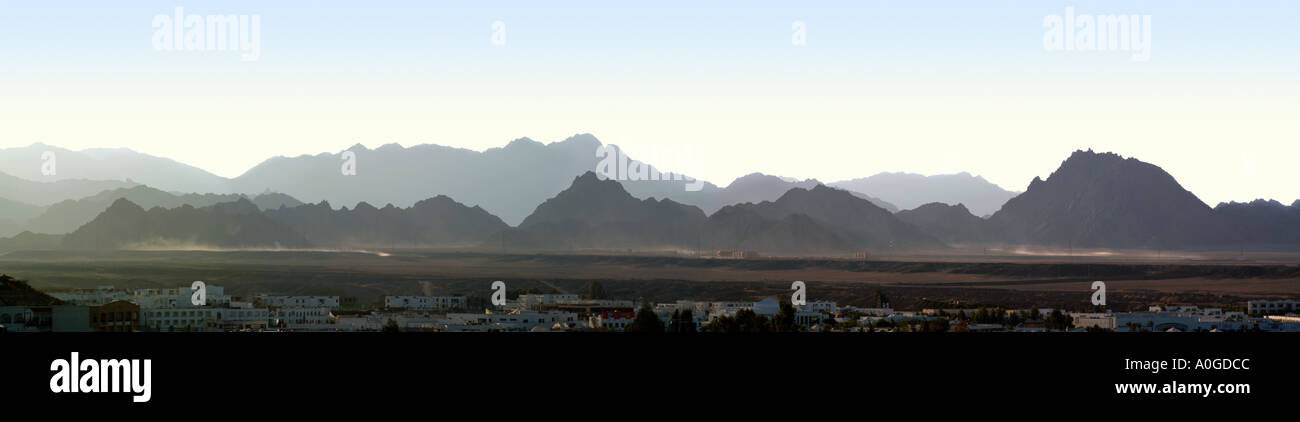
(596, 214)
(855, 221)
(45, 193)
(753, 187)
(1093, 200)
(508, 182)
(953, 224)
(239, 224)
(600, 214)
(909, 190)
(66, 216)
(438, 221)
(108, 164)
(1262, 224)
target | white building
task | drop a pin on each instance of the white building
(304, 319)
(530, 301)
(729, 307)
(331, 302)
(205, 319)
(180, 297)
(523, 320)
(821, 306)
(612, 321)
(425, 302)
(99, 296)
(1265, 307)
(1094, 320)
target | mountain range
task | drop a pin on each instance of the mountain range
(438, 221)
(602, 214)
(909, 190)
(509, 182)
(130, 167)
(753, 187)
(66, 216)
(239, 224)
(1092, 200)
(16, 189)
(952, 224)
(1262, 223)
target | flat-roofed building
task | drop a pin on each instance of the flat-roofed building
(116, 316)
(331, 302)
(425, 302)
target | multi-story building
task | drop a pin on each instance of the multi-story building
(532, 301)
(331, 302)
(242, 317)
(1103, 320)
(521, 320)
(181, 319)
(304, 319)
(1268, 307)
(611, 320)
(821, 306)
(425, 302)
(99, 296)
(180, 297)
(115, 316)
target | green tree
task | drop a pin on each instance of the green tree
(783, 321)
(749, 322)
(596, 291)
(645, 321)
(391, 326)
(682, 322)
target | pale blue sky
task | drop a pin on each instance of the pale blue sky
(922, 86)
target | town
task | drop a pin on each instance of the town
(106, 309)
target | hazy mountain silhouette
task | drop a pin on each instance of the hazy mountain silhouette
(109, 164)
(1262, 224)
(908, 190)
(1106, 201)
(508, 182)
(14, 214)
(46, 193)
(753, 187)
(240, 224)
(601, 214)
(856, 221)
(438, 221)
(744, 229)
(28, 241)
(66, 216)
(18, 210)
(953, 224)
